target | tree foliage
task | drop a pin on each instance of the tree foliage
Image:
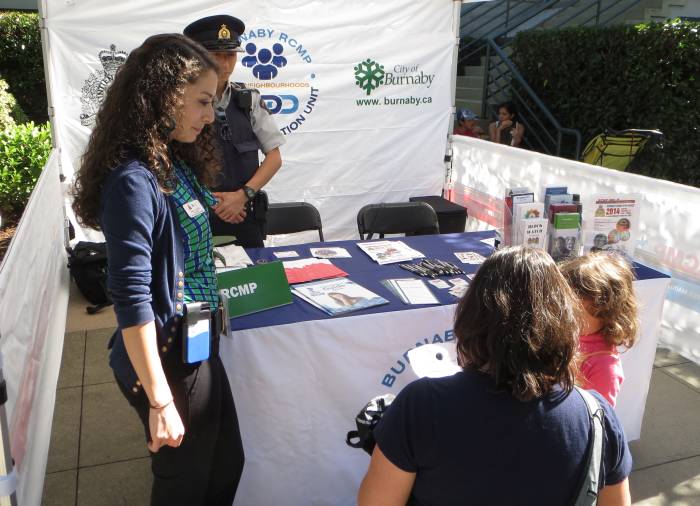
(645, 76)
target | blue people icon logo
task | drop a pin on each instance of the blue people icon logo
(265, 63)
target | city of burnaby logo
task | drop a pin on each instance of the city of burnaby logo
(369, 75)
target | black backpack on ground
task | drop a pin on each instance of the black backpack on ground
(87, 263)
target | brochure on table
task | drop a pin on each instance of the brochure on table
(411, 291)
(330, 252)
(338, 296)
(311, 269)
(389, 252)
(612, 223)
(231, 257)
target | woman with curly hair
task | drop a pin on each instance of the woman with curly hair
(603, 283)
(142, 182)
(509, 428)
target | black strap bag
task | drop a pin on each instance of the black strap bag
(87, 263)
(366, 420)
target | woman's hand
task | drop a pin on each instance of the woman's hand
(166, 427)
(231, 206)
(505, 124)
(164, 423)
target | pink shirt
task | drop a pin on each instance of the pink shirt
(601, 368)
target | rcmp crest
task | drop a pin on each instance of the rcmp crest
(95, 86)
(224, 33)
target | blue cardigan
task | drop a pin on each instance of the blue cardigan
(145, 259)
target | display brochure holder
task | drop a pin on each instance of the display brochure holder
(505, 233)
(512, 196)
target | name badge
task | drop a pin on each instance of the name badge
(193, 208)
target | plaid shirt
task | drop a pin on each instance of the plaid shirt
(200, 273)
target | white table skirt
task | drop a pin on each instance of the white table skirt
(298, 388)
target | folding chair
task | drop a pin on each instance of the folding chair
(410, 218)
(290, 217)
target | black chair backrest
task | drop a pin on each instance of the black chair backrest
(291, 217)
(410, 218)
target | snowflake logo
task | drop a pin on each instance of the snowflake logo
(369, 75)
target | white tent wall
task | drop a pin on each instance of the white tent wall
(669, 237)
(34, 294)
(345, 146)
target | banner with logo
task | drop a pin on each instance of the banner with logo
(361, 90)
(298, 388)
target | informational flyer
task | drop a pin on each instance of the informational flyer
(611, 222)
(338, 296)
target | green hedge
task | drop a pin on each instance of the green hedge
(21, 63)
(646, 76)
(7, 106)
(23, 153)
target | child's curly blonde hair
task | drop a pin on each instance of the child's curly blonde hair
(604, 281)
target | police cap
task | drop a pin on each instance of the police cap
(217, 33)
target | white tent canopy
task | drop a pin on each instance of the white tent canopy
(348, 144)
(365, 99)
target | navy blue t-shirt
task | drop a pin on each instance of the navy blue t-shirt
(470, 444)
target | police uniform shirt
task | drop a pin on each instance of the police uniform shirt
(264, 126)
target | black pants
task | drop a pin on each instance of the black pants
(206, 468)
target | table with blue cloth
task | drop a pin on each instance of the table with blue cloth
(299, 377)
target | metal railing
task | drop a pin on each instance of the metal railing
(496, 19)
(499, 19)
(543, 132)
(486, 31)
(592, 13)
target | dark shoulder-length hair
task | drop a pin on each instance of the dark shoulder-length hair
(139, 112)
(518, 323)
(510, 107)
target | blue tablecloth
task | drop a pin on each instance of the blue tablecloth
(369, 274)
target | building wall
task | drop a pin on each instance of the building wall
(690, 10)
(19, 4)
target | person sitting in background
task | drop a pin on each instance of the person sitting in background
(507, 130)
(603, 282)
(467, 124)
(509, 428)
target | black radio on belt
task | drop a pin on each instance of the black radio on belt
(243, 98)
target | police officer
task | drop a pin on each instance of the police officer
(244, 126)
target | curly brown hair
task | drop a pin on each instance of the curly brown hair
(604, 280)
(137, 117)
(518, 322)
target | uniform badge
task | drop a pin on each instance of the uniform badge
(224, 32)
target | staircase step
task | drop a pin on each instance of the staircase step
(470, 81)
(473, 105)
(469, 93)
(472, 71)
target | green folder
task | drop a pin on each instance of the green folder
(253, 289)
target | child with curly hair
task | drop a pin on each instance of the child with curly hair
(603, 283)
